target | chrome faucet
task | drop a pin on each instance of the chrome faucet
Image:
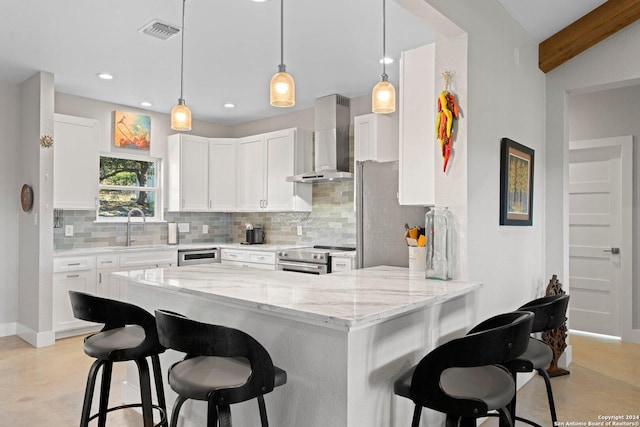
(144, 226)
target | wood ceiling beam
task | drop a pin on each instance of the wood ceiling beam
(587, 31)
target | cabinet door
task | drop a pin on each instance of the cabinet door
(83, 281)
(252, 168)
(417, 136)
(373, 139)
(222, 174)
(194, 173)
(75, 162)
(280, 165)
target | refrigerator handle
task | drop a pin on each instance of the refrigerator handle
(359, 215)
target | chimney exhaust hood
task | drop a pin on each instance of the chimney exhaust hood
(331, 141)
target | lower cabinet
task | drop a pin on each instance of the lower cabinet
(92, 274)
(71, 274)
(265, 260)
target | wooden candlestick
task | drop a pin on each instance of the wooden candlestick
(556, 338)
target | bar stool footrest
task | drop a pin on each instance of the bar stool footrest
(163, 418)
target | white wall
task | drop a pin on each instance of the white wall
(499, 98)
(614, 62)
(610, 113)
(10, 196)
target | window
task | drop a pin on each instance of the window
(127, 183)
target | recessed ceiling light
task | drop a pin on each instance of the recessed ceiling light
(386, 60)
(105, 76)
(229, 104)
(145, 104)
(259, 1)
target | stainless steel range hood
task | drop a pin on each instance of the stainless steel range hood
(331, 146)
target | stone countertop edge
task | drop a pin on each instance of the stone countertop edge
(267, 247)
(147, 278)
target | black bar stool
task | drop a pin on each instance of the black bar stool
(129, 333)
(222, 366)
(460, 378)
(550, 313)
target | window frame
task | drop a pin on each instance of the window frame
(158, 189)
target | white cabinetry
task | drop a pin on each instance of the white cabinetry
(75, 162)
(341, 263)
(264, 163)
(71, 274)
(373, 138)
(417, 134)
(91, 274)
(201, 173)
(265, 260)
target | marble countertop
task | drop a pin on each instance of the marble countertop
(134, 248)
(345, 301)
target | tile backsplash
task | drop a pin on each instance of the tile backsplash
(332, 221)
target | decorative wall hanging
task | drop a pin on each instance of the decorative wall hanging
(131, 130)
(46, 141)
(447, 112)
(26, 197)
(516, 183)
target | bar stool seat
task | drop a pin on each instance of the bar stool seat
(129, 334)
(538, 353)
(222, 366)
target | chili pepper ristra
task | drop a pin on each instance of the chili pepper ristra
(447, 113)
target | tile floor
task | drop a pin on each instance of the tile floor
(44, 387)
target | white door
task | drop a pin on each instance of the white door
(600, 234)
(194, 173)
(222, 174)
(252, 183)
(280, 165)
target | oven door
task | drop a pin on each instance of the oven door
(303, 267)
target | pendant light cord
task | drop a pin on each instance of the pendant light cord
(282, 33)
(384, 40)
(182, 53)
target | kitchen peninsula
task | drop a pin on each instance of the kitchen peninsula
(342, 338)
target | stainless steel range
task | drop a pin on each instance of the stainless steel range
(315, 260)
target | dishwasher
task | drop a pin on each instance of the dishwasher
(198, 256)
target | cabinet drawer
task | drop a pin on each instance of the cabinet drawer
(250, 264)
(341, 264)
(107, 261)
(135, 260)
(63, 264)
(233, 255)
(262, 257)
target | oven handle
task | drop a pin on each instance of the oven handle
(302, 266)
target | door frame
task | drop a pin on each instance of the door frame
(625, 144)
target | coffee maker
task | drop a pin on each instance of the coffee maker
(254, 234)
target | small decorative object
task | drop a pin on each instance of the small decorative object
(131, 130)
(447, 112)
(438, 230)
(516, 183)
(556, 338)
(46, 141)
(26, 197)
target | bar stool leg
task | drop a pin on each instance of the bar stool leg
(552, 406)
(263, 412)
(176, 410)
(212, 414)
(145, 392)
(105, 387)
(416, 416)
(224, 414)
(88, 392)
(157, 373)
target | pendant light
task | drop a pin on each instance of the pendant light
(181, 114)
(383, 97)
(282, 91)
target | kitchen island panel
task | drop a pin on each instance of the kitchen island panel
(338, 377)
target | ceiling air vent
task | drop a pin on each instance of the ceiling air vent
(159, 30)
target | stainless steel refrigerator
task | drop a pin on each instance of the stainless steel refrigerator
(380, 220)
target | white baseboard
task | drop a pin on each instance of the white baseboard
(36, 339)
(8, 329)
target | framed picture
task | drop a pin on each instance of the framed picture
(516, 183)
(131, 130)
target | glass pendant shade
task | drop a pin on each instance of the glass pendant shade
(282, 90)
(181, 117)
(383, 98)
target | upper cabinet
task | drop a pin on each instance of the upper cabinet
(417, 135)
(201, 173)
(264, 163)
(245, 174)
(373, 138)
(75, 163)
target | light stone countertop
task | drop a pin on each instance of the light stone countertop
(345, 301)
